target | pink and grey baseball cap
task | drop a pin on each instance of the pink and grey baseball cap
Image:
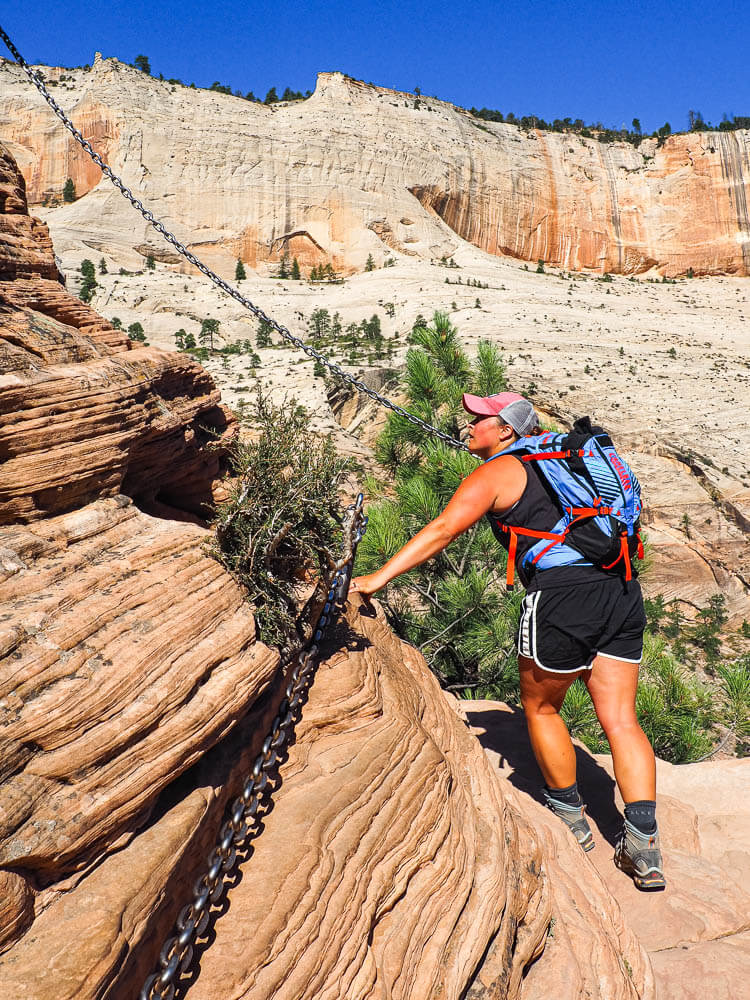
(509, 406)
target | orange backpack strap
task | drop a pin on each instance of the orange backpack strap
(514, 532)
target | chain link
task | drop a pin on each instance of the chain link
(177, 952)
(204, 269)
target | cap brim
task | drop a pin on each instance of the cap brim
(477, 406)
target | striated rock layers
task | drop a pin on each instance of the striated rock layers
(134, 697)
(358, 169)
(83, 412)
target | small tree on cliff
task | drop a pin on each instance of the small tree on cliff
(141, 62)
(88, 282)
(209, 329)
(239, 271)
(295, 270)
(136, 332)
(263, 335)
(282, 518)
(69, 190)
(370, 264)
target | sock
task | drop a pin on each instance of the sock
(642, 815)
(570, 796)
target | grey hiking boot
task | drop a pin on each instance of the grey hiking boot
(574, 817)
(638, 855)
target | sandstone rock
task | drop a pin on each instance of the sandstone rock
(358, 169)
(81, 414)
(412, 871)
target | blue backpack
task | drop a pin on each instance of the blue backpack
(596, 492)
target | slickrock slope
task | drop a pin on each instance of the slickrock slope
(358, 169)
(134, 696)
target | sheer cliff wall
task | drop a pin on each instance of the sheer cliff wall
(358, 169)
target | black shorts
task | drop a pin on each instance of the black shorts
(563, 628)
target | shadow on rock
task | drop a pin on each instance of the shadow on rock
(502, 731)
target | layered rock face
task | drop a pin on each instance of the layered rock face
(82, 413)
(358, 169)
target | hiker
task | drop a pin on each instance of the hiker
(577, 620)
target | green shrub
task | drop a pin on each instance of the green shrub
(283, 518)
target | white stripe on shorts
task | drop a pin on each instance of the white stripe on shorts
(526, 626)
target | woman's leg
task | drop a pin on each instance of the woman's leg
(612, 685)
(542, 694)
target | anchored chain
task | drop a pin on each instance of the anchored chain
(177, 952)
(204, 269)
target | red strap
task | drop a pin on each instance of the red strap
(546, 454)
(511, 567)
(626, 556)
(623, 554)
(529, 532)
(640, 545)
(588, 511)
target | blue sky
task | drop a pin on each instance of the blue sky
(605, 61)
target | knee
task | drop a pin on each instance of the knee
(534, 705)
(613, 722)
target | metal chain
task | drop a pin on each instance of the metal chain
(177, 951)
(204, 269)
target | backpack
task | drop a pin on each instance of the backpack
(596, 492)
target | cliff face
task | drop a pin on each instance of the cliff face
(358, 169)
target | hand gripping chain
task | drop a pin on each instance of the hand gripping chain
(177, 952)
(204, 269)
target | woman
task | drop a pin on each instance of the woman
(576, 621)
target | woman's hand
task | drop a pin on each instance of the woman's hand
(367, 585)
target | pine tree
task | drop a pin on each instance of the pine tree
(102, 266)
(239, 271)
(150, 262)
(142, 63)
(454, 608)
(88, 284)
(135, 332)
(179, 339)
(370, 264)
(209, 329)
(295, 270)
(69, 190)
(263, 336)
(271, 97)
(284, 266)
